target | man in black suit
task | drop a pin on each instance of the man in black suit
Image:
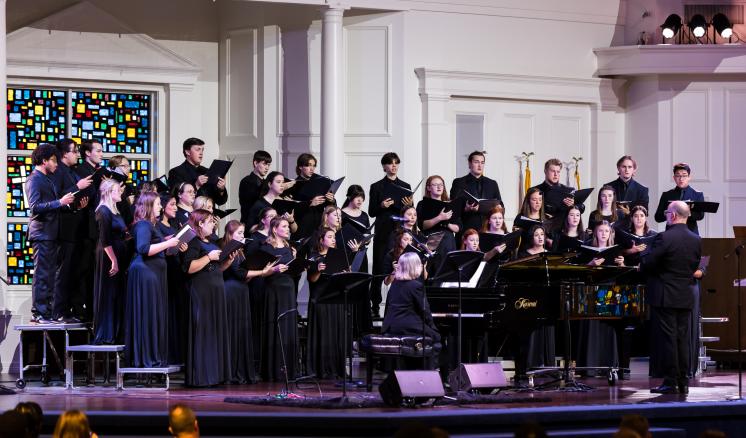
(682, 192)
(552, 173)
(193, 172)
(43, 228)
(671, 266)
(626, 187)
(251, 184)
(85, 250)
(478, 186)
(66, 293)
(382, 208)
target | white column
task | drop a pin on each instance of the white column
(332, 115)
(3, 150)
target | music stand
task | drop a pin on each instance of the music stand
(346, 288)
(456, 266)
(738, 233)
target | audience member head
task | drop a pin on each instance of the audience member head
(182, 422)
(637, 423)
(34, 416)
(553, 170)
(712, 433)
(13, 424)
(147, 207)
(193, 149)
(72, 424)
(409, 267)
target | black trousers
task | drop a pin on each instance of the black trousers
(65, 281)
(671, 340)
(81, 296)
(42, 284)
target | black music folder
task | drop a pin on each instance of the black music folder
(318, 186)
(283, 206)
(222, 213)
(556, 195)
(397, 193)
(525, 223)
(185, 235)
(336, 261)
(161, 184)
(634, 239)
(359, 226)
(608, 253)
(259, 259)
(488, 241)
(350, 232)
(232, 246)
(432, 207)
(566, 243)
(218, 169)
(297, 266)
(484, 205)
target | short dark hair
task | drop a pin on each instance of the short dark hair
(262, 156)
(475, 154)
(189, 142)
(353, 192)
(625, 158)
(34, 416)
(181, 418)
(390, 158)
(63, 146)
(552, 162)
(635, 422)
(87, 146)
(42, 153)
(304, 159)
(682, 166)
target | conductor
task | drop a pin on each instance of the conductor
(671, 265)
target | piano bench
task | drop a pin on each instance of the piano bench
(376, 346)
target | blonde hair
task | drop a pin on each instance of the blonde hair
(106, 189)
(409, 267)
(201, 202)
(72, 424)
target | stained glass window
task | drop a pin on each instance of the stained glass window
(120, 120)
(19, 168)
(139, 170)
(20, 263)
(35, 116)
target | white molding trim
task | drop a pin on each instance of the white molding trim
(447, 84)
(728, 141)
(671, 60)
(252, 132)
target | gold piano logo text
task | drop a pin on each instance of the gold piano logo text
(525, 303)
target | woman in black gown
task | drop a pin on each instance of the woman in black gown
(208, 357)
(326, 349)
(185, 195)
(444, 221)
(279, 335)
(352, 212)
(310, 219)
(570, 236)
(146, 326)
(109, 285)
(238, 304)
(607, 209)
(178, 300)
(273, 187)
(495, 224)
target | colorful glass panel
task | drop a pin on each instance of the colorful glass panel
(120, 120)
(19, 169)
(139, 170)
(35, 116)
(19, 255)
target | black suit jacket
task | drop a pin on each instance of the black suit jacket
(248, 193)
(482, 188)
(405, 310)
(676, 194)
(70, 217)
(670, 266)
(88, 226)
(185, 172)
(383, 225)
(556, 211)
(45, 205)
(633, 192)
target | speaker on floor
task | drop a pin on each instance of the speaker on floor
(410, 387)
(471, 376)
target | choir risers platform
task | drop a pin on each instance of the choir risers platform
(90, 349)
(45, 329)
(166, 371)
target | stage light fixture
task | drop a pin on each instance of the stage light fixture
(698, 25)
(671, 26)
(722, 25)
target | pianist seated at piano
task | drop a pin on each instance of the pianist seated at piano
(597, 340)
(407, 310)
(607, 209)
(638, 229)
(536, 243)
(571, 234)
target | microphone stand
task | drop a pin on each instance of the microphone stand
(286, 391)
(737, 250)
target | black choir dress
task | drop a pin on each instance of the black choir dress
(365, 220)
(208, 357)
(279, 332)
(146, 329)
(109, 291)
(326, 349)
(595, 218)
(240, 333)
(256, 294)
(178, 300)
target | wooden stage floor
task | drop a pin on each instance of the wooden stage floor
(137, 410)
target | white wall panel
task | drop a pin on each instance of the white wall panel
(240, 83)
(689, 132)
(735, 208)
(735, 133)
(367, 100)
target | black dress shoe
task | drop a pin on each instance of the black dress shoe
(683, 388)
(664, 389)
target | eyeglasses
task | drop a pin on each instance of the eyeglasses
(437, 186)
